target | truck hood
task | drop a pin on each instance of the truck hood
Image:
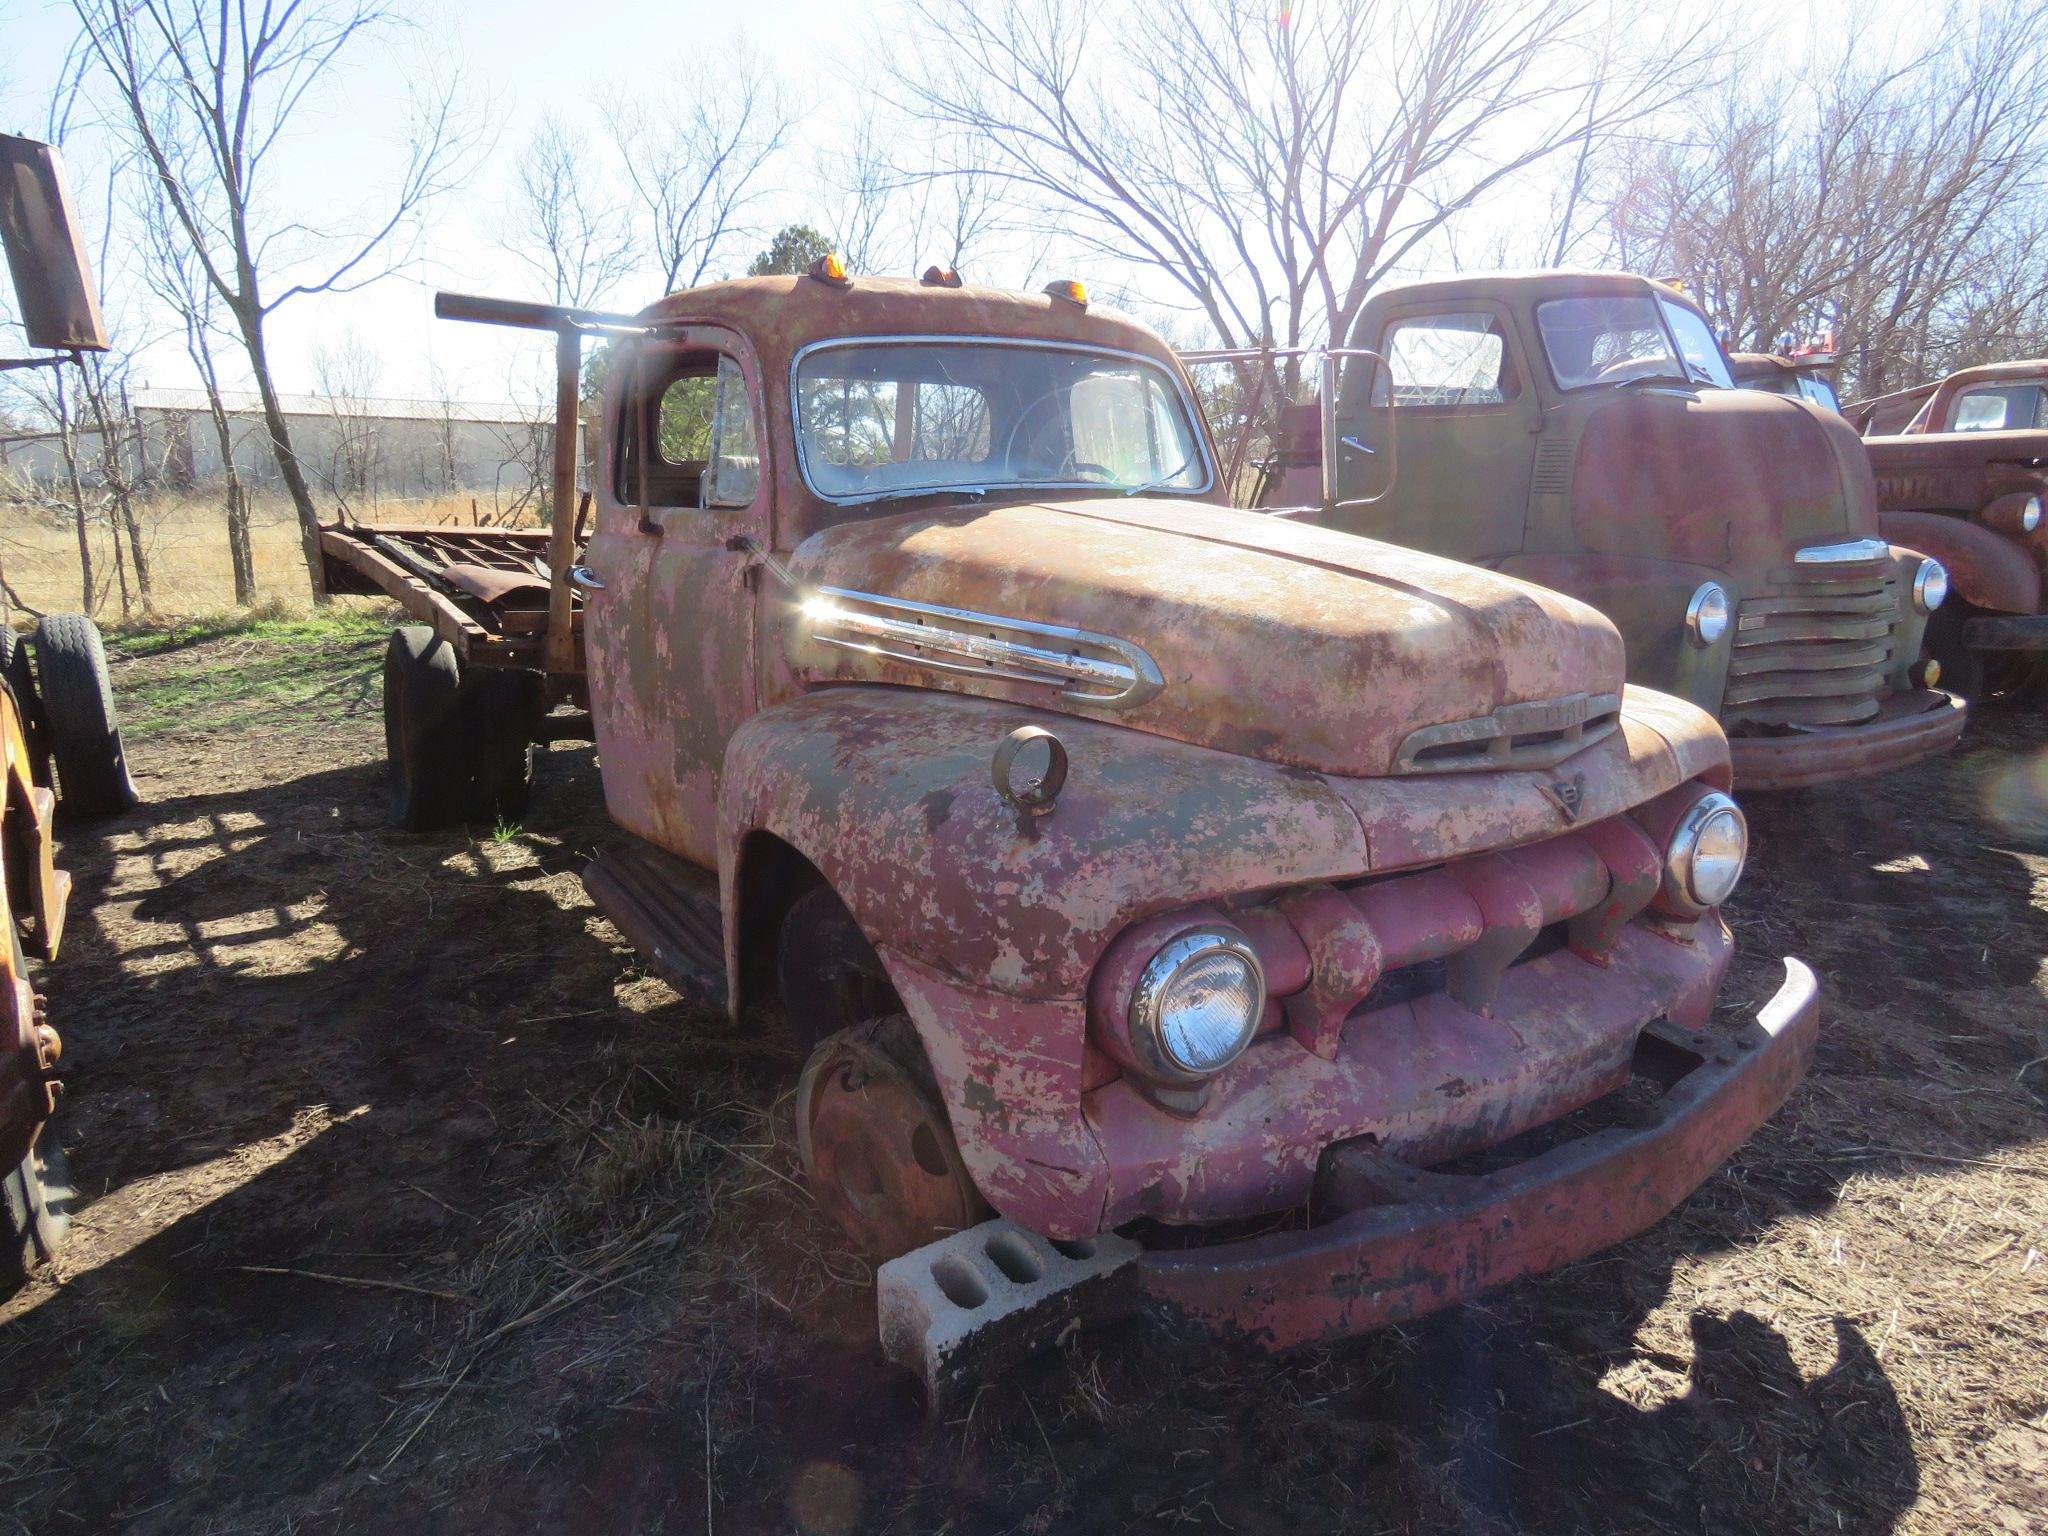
(1734, 479)
(1273, 640)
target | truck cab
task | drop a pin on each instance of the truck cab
(1583, 430)
(1120, 862)
(1962, 473)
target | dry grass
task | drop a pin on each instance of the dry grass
(185, 542)
(299, 1041)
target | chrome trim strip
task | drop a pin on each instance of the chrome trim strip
(1851, 552)
(1094, 669)
(1572, 723)
(1197, 422)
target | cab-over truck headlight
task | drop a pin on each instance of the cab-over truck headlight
(1930, 586)
(1706, 614)
(1197, 1004)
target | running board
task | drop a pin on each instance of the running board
(668, 910)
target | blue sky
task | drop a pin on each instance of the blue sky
(516, 61)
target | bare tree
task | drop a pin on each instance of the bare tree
(563, 225)
(1274, 164)
(697, 164)
(207, 90)
(1888, 194)
(173, 273)
(345, 374)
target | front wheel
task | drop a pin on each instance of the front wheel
(877, 1146)
(1982, 677)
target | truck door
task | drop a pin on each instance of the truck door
(670, 632)
(1466, 422)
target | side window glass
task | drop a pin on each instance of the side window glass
(1981, 410)
(1459, 359)
(735, 459)
(705, 447)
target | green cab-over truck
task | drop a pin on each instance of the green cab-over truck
(1583, 431)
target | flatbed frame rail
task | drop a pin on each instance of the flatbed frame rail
(500, 596)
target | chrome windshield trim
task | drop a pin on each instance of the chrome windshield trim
(1196, 421)
(1849, 552)
(1087, 667)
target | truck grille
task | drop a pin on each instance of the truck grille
(1813, 650)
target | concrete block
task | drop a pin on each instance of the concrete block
(970, 1305)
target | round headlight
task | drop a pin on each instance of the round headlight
(1706, 614)
(1198, 1003)
(2030, 515)
(1930, 586)
(1705, 857)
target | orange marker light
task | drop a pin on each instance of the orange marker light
(829, 269)
(940, 277)
(1071, 291)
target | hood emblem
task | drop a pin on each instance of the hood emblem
(1568, 795)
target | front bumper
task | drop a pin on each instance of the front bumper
(1443, 1238)
(1908, 728)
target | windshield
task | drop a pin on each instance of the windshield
(1613, 340)
(888, 419)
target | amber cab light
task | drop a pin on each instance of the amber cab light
(1071, 291)
(940, 277)
(829, 268)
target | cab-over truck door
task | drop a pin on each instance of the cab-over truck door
(1467, 416)
(670, 631)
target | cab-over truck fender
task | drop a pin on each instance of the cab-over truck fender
(990, 920)
(1646, 597)
(1986, 568)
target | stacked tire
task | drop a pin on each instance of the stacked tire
(60, 681)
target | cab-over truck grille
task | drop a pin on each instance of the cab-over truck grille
(1814, 649)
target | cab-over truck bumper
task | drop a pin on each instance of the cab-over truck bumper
(1910, 727)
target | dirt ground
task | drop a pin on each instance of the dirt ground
(592, 1297)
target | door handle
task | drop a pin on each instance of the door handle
(1356, 446)
(583, 576)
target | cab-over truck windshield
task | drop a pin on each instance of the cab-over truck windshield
(1615, 339)
(878, 420)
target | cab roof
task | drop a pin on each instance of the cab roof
(1479, 285)
(781, 315)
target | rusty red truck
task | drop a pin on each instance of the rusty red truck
(1962, 473)
(1119, 861)
(1582, 430)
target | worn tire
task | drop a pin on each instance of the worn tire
(425, 732)
(35, 1199)
(826, 972)
(500, 708)
(78, 709)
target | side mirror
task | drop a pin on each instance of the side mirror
(1336, 448)
(60, 307)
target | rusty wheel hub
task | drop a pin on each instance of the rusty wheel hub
(876, 1144)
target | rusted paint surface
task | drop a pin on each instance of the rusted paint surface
(1452, 1237)
(991, 924)
(1277, 640)
(1986, 568)
(1908, 728)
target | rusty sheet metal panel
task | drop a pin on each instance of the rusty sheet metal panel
(1430, 1079)
(60, 306)
(1908, 727)
(869, 783)
(1451, 1237)
(1986, 568)
(29, 1048)
(1734, 480)
(1956, 472)
(1276, 640)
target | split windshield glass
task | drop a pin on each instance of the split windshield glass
(879, 420)
(1592, 341)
